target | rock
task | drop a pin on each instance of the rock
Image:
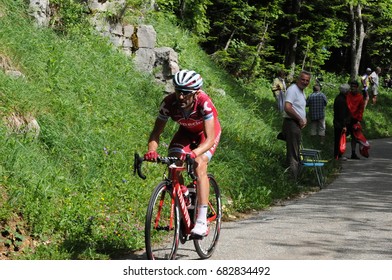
(137, 42)
(39, 9)
(18, 123)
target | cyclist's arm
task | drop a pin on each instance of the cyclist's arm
(209, 130)
(153, 141)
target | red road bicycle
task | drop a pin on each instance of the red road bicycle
(169, 220)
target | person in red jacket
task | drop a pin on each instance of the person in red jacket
(356, 106)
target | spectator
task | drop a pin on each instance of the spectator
(295, 120)
(341, 118)
(356, 106)
(374, 84)
(279, 89)
(387, 79)
(316, 103)
(365, 85)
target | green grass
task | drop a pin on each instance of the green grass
(73, 186)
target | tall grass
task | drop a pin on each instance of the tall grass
(73, 185)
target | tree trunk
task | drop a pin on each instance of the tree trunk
(258, 51)
(293, 37)
(305, 56)
(229, 41)
(182, 8)
(261, 44)
(357, 37)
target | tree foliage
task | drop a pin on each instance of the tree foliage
(252, 37)
(191, 13)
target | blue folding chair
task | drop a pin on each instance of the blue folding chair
(311, 158)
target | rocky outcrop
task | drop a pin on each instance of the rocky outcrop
(135, 41)
(19, 124)
(166, 60)
(39, 9)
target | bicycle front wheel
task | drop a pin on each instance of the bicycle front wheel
(162, 224)
(206, 246)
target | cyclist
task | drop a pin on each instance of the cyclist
(198, 134)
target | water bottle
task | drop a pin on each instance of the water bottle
(192, 195)
(185, 193)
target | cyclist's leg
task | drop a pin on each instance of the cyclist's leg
(206, 246)
(203, 189)
(182, 142)
(179, 145)
(203, 192)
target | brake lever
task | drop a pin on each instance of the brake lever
(189, 167)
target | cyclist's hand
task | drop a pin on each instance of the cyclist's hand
(151, 156)
(191, 154)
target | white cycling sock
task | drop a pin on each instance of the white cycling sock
(202, 213)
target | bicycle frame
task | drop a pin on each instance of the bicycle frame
(173, 180)
(168, 217)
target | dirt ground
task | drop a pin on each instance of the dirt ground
(14, 238)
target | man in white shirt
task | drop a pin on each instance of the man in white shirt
(295, 120)
(374, 83)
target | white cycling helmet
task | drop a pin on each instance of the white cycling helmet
(187, 80)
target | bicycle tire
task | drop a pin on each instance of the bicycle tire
(205, 247)
(162, 235)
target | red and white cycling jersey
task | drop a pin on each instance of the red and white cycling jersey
(191, 129)
(203, 109)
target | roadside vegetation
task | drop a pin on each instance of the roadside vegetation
(70, 193)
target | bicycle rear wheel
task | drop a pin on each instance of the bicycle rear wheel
(206, 246)
(162, 224)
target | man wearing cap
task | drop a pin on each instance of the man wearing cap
(365, 85)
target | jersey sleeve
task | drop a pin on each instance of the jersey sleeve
(207, 108)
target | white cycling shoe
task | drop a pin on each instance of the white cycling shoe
(200, 229)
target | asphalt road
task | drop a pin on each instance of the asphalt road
(350, 219)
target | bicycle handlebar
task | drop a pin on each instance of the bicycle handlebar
(137, 166)
(138, 160)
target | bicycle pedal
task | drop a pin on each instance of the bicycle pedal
(183, 238)
(196, 236)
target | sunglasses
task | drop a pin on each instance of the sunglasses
(184, 93)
